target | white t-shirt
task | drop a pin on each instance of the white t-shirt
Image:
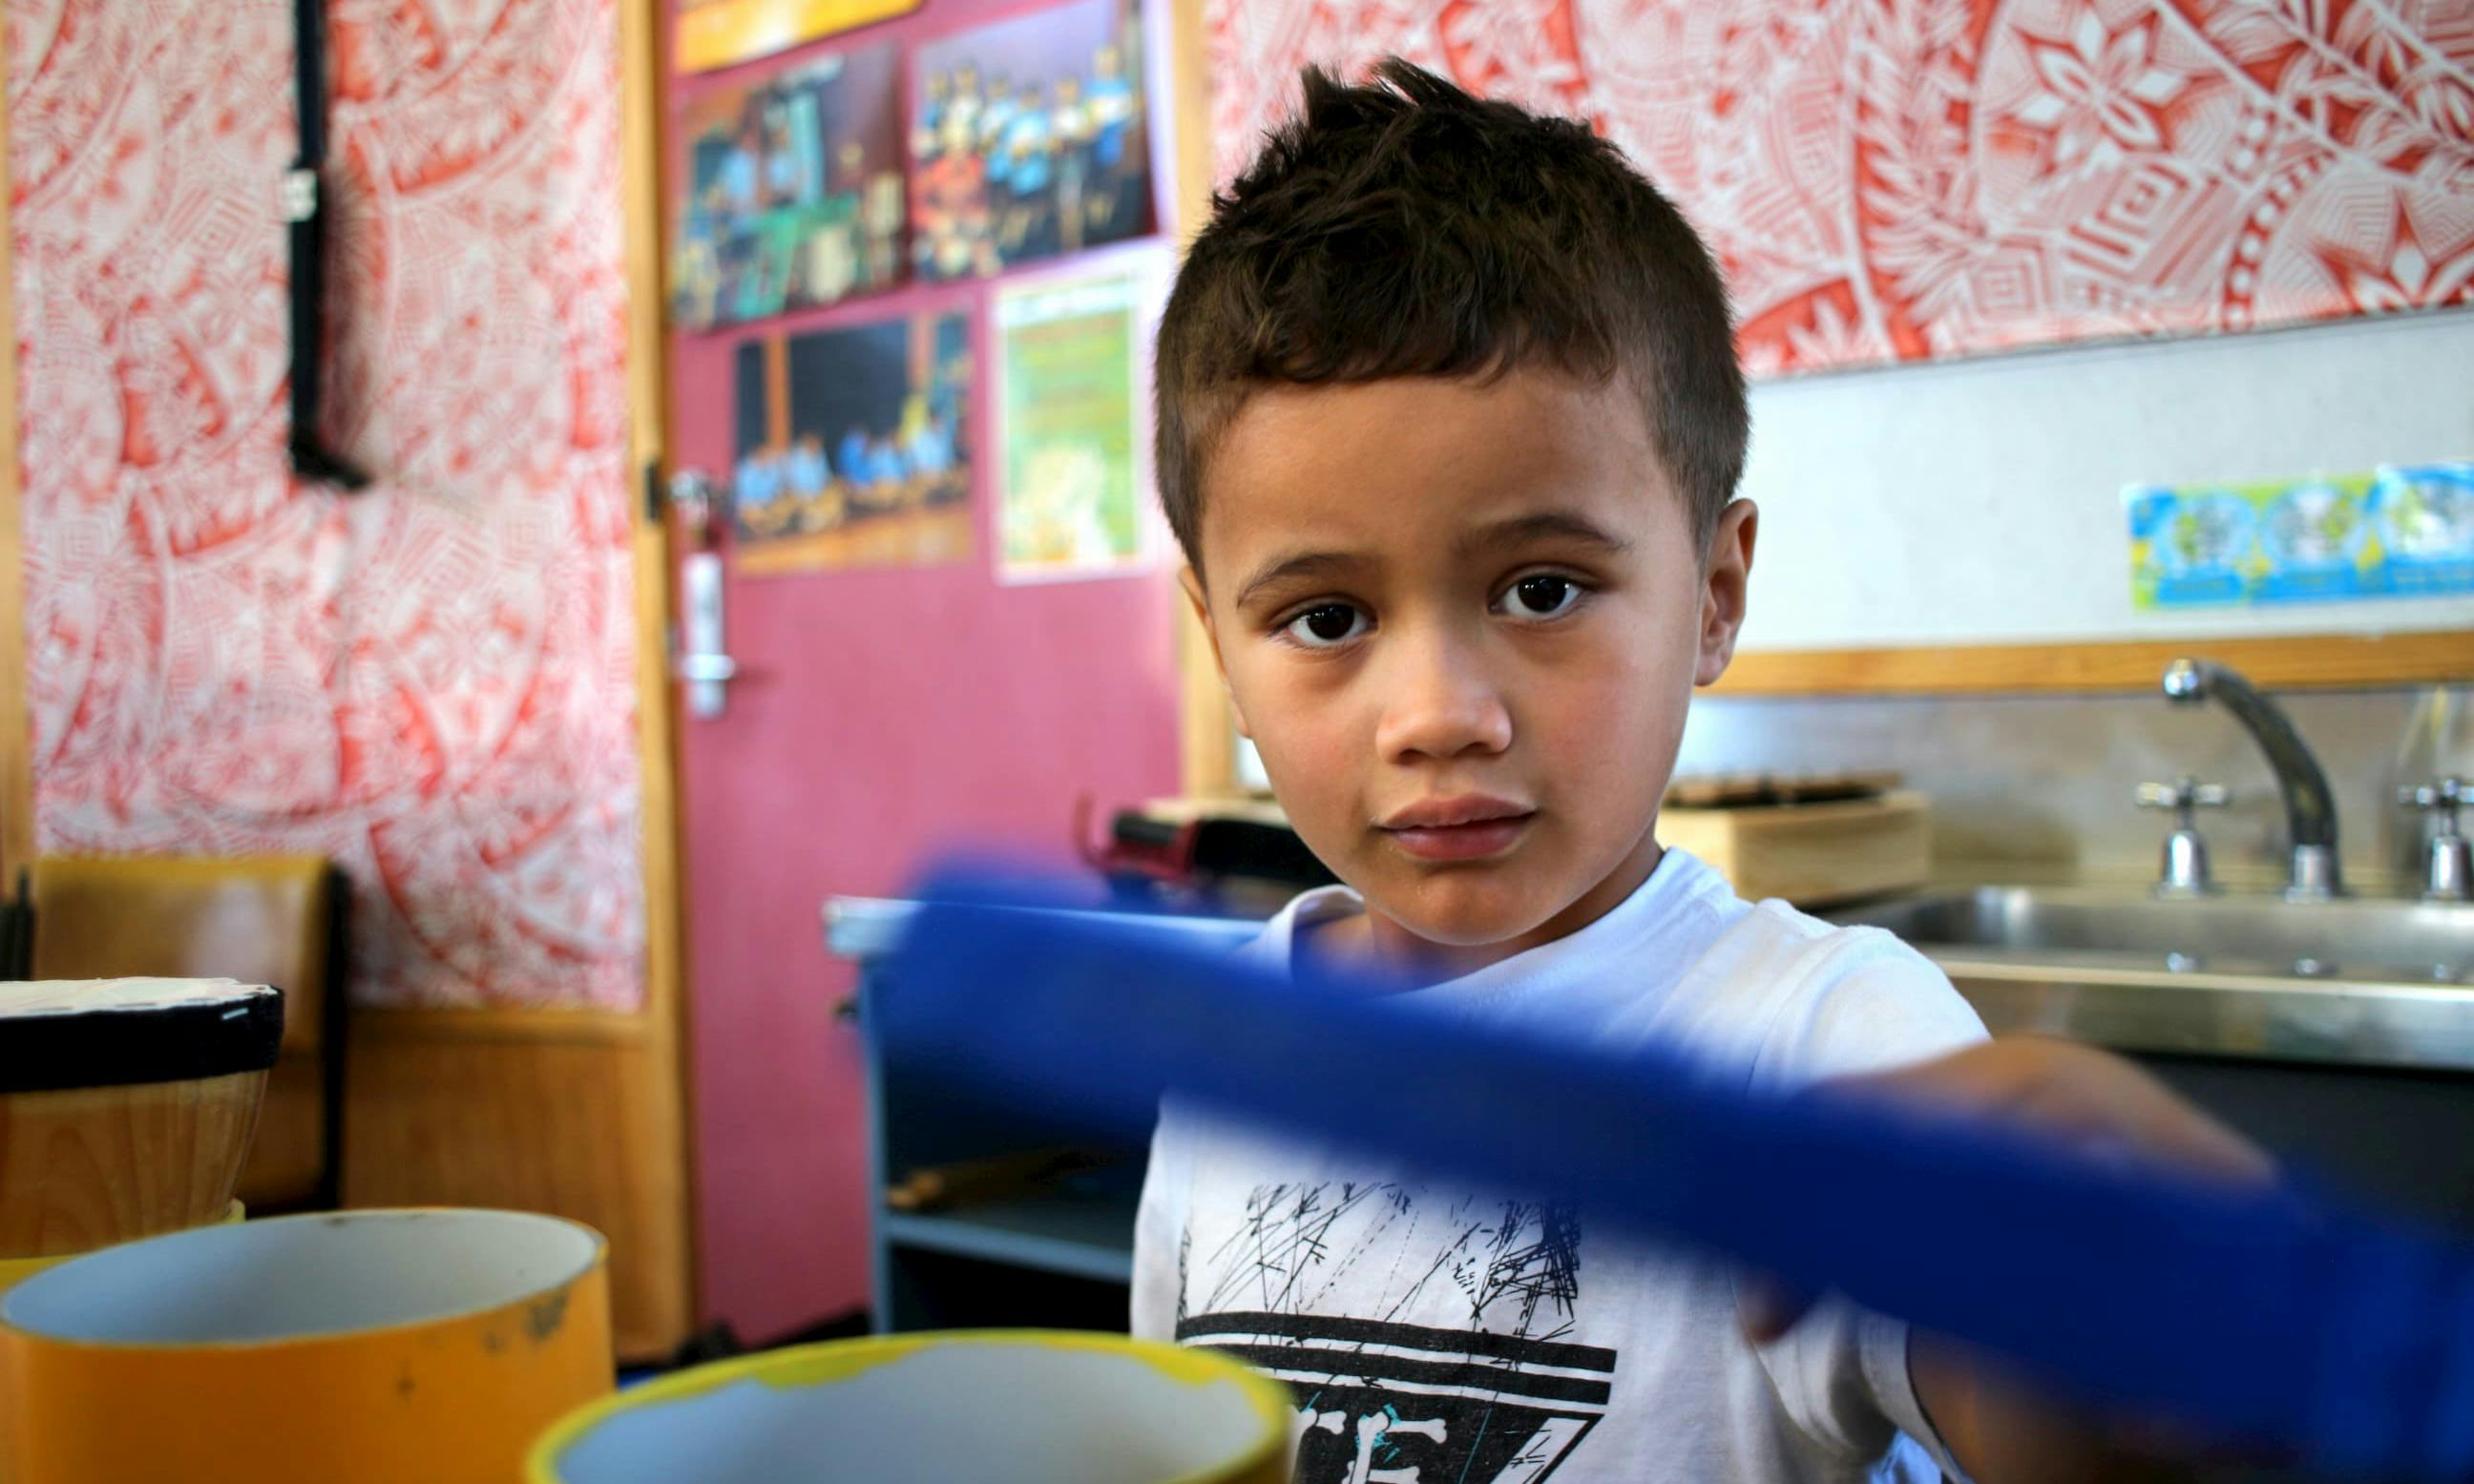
(1437, 1335)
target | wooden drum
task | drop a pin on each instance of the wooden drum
(127, 1106)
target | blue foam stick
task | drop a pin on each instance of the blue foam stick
(2258, 1316)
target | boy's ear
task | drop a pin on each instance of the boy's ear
(1191, 581)
(1729, 573)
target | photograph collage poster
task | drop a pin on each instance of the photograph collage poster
(852, 447)
(1028, 140)
(793, 195)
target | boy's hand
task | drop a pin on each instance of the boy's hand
(2000, 1428)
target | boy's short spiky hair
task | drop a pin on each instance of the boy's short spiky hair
(1401, 228)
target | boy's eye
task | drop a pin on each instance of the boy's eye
(1330, 624)
(1542, 596)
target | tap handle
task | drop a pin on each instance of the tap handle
(2185, 680)
(2441, 796)
(2184, 796)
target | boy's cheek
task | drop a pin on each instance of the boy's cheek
(1307, 754)
(1320, 789)
(1617, 725)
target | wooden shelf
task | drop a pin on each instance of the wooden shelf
(2300, 662)
(1091, 1239)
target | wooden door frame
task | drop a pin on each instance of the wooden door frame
(1206, 725)
(16, 728)
(641, 93)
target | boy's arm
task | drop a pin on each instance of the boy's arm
(1998, 1428)
(2001, 1432)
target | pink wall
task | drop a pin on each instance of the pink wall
(431, 680)
(888, 712)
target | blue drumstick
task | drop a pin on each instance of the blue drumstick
(2255, 1314)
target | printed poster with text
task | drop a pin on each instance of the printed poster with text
(715, 34)
(1072, 493)
(2404, 531)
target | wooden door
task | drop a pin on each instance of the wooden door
(880, 712)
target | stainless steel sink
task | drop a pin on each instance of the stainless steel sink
(2359, 981)
(2260, 935)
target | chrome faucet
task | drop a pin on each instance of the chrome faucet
(2185, 869)
(2310, 811)
(2448, 872)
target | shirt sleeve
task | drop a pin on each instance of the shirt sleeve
(1870, 1003)
(1159, 1234)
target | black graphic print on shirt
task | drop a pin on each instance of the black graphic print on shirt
(1427, 1341)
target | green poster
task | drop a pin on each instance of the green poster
(1070, 501)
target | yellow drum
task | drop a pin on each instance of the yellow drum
(1023, 1406)
(375, 1346)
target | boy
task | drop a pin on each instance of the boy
(1449, 429)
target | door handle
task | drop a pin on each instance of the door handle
(703, 662)
(703, 668)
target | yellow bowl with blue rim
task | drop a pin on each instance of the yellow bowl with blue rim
(1025, 1406)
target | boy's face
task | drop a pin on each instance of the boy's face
(1461, 620)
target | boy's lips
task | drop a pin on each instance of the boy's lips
(1467, 827)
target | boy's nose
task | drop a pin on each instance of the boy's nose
(1441, 704)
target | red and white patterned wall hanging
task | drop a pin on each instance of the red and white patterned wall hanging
(431, 680)
(1906, 179)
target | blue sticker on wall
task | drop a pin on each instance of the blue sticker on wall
(2405, 531)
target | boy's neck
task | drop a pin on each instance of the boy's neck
(1412, 961)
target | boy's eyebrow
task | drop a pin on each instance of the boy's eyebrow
(1302, 564)
(1544, 524)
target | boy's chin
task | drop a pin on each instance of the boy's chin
(1462, 908)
